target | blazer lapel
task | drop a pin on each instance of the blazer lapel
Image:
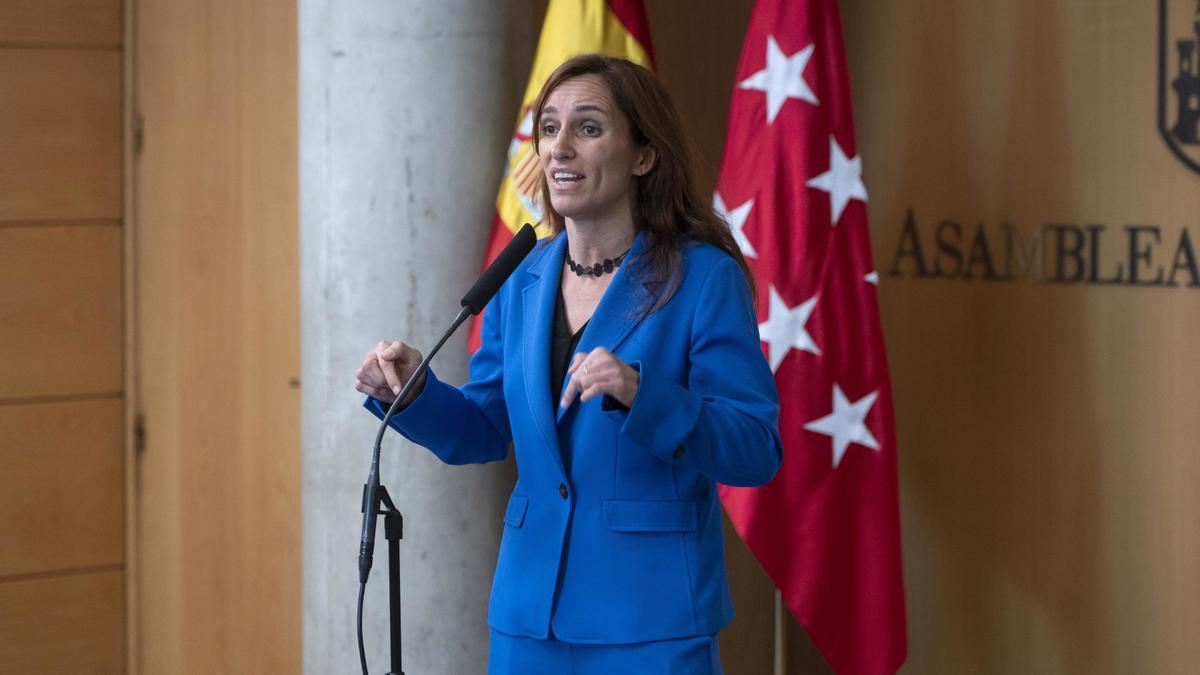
(540, 297)
(614, 318)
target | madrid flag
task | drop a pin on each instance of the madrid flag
(826, 529)
(613, 27)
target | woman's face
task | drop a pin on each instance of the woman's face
(587, 152)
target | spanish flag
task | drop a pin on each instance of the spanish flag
(613, 27)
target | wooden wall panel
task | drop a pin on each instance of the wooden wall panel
(62, 499)
(218, 515)
(63, 502)
(60, 134)
(60, 310)
(77, 23)
(1047, 431)
(63, 625)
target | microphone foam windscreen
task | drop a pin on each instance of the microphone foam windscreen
(500, 269)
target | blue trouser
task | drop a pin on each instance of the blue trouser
(512, 655)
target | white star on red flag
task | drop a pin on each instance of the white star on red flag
(783, 78)
(843, 180)
(737, 220)
(846, 424)
(784, 328)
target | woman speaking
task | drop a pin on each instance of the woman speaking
(621, 360)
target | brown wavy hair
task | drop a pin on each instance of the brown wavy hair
(670, 208)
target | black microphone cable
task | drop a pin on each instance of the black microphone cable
(362, 652)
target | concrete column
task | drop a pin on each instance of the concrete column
(406, 110)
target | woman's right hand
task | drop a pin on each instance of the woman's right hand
(386, 369)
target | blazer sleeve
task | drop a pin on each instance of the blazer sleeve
(467, 425)
(725, 422)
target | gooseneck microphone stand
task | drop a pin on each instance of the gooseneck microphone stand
(374, 493)
(393, 521)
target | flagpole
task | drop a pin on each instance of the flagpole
(780, 636)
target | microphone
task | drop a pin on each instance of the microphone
(500, 269)
(472, 303)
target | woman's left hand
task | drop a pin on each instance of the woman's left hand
(598, 372)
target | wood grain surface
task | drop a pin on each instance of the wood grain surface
(218, 498)
(61, 477)
(61, 23)
(63, 625)
(60, 310)
(60, 134)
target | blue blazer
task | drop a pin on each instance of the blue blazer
(625, 545)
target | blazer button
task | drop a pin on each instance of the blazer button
(562, 490)
(678, 454)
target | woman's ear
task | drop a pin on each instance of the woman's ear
(647, 157)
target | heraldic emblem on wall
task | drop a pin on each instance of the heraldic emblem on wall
(1179, 78)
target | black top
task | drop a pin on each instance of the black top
(562, 347)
